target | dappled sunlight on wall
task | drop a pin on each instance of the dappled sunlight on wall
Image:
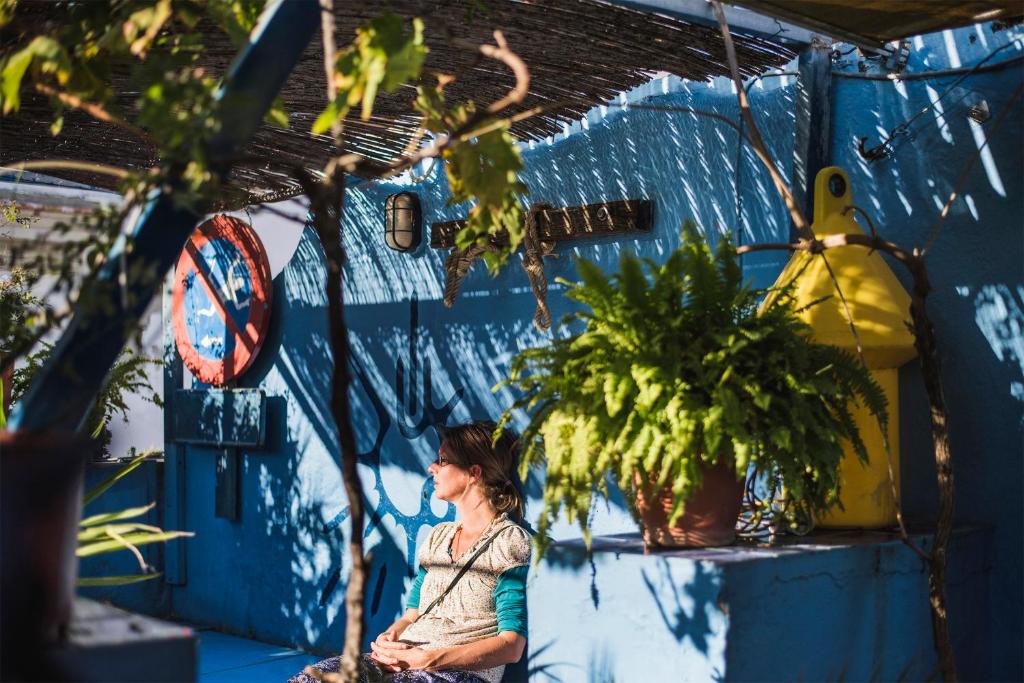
(280, 572)
(999, 318)
(976, 270)
(685, 162)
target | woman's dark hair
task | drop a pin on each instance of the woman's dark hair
(474, 444)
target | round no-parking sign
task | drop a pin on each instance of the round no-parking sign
(221, 302)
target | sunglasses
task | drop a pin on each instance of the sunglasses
(443, 460)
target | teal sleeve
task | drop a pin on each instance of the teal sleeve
(414, 595)
(510, 600)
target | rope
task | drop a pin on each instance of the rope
(455, 268)
(533, 264)
(459, 260)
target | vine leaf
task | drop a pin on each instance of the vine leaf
(383, 57)
(50, 58)
(148, 23)
(486, 169)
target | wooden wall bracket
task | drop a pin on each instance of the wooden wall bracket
(607, 219)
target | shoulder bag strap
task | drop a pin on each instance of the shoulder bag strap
(462, 572)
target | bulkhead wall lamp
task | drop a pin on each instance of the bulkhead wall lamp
(402, 231)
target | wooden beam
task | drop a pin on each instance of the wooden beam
(743, 20)
(607, 219)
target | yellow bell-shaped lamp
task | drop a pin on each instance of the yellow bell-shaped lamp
(880, 307)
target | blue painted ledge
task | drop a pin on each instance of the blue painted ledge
(844, 606)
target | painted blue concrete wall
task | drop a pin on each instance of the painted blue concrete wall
(854, 609)
(977, 274)
(849, 607)
(278, 574)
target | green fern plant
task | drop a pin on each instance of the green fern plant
(127, 377)
(676, 368)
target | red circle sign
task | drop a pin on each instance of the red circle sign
(221, 302)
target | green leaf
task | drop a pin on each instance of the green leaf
(93, 581)
(277, 115)
(58, 124)
(382, 58)
(148, 23)
(109, 517)
(7, 11)
(405, 56)
(326, 119)
(237, 18)
(122, 473)
(135, 539)
(486, 170)
(107, 531)
(14, 68)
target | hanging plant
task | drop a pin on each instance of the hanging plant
(677, 370)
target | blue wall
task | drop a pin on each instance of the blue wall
(977, 274)
(847, 607)
(275, 574)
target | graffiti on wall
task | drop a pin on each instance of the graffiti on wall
(414, 413)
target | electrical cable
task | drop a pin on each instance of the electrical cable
(939, 73)
(884, 148)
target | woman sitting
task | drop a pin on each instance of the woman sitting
(462, 625)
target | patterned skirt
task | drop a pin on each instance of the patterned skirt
(371, 672)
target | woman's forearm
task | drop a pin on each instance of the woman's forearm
(505, 648)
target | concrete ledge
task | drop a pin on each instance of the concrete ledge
(830, 606)
(109, 644)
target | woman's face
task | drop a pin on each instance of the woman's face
(450, 480)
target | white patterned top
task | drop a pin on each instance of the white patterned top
(467, 613)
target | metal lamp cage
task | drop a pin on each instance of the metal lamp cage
(402, 221)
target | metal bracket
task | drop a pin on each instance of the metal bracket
(897, 54)
(229, 479)
(220, 417)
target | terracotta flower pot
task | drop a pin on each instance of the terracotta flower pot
(40, 507)
(710, 516)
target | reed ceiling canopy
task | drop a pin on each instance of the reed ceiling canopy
(580, 53)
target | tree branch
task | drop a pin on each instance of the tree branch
(326, 204)
(94, 110)
(519, 70)
(802, 226)
(68, 165)
(330, 59)
(354, 163)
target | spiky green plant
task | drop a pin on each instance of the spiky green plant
(676, 369)
(111, 532)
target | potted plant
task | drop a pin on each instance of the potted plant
(676, 387)
(41, 498)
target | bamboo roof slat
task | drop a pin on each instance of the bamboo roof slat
(581, 53)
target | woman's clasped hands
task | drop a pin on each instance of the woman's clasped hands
(394, 655)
